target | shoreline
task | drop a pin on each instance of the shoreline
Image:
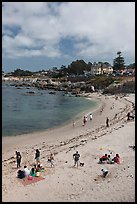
(8, 140)
(91, 141)
(54, 124)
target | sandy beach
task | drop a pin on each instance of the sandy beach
(64, 182)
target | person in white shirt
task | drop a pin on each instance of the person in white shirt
(91, 117)
(105, 172)
(26, 171)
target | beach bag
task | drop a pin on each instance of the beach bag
(30, 177)
(37, 174)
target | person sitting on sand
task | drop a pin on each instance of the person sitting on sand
(104, 172)
(20, 174)
(129, 116)
(32, 172)
(26, 171)
(103, 158)
(76, 157)
(38, 168)
(116, 159)
(110, 160)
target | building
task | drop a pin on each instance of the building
(101, 68)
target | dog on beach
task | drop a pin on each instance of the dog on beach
(81, 163)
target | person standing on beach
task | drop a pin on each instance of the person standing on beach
(107, 122)
(84, 120)
(91, 117)
(73, 123)
(37, 156)
(18, 157)
(76, 157)
(51, 160)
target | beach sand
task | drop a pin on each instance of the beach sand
(64, 182)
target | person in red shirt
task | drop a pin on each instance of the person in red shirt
(103, 158)
(116, 159)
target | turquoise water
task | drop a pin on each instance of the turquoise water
(24, 113)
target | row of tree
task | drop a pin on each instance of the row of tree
(78, 67)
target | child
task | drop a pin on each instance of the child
(105, 172)
(51, 159)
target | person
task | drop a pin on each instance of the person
(37, 156)
(116, 159)
(32, 172)
(103, 158)
(18, 157)
(20, 174)
(91, 117)
(128, 116)
(35, 167)
(104, 172)
(76, 157)
(38, 168)
(110, 160)
(73, 123)
(84, 120)
(51, 159)
(26, 171)
(107, 122)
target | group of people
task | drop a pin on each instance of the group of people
(85, 119)
(36, 168)
(107, 159)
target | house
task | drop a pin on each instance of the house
(101, 68)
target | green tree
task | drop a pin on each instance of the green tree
(78, 67)
(20, 72)
(118, 62)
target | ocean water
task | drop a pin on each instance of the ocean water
(26, 113)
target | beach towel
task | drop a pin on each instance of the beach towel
(25, 181)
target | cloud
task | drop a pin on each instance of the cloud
(96, 30)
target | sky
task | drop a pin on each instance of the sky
(43, 35)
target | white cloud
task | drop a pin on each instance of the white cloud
(107, 27)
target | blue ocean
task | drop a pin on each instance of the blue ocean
(26, 113)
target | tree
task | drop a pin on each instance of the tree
(118, 62)
(78, 67)
(20, 72)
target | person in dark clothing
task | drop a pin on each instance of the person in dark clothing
(20, 174)
(76, 157)
(129, 116)
(107, 122)
(18, 157)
